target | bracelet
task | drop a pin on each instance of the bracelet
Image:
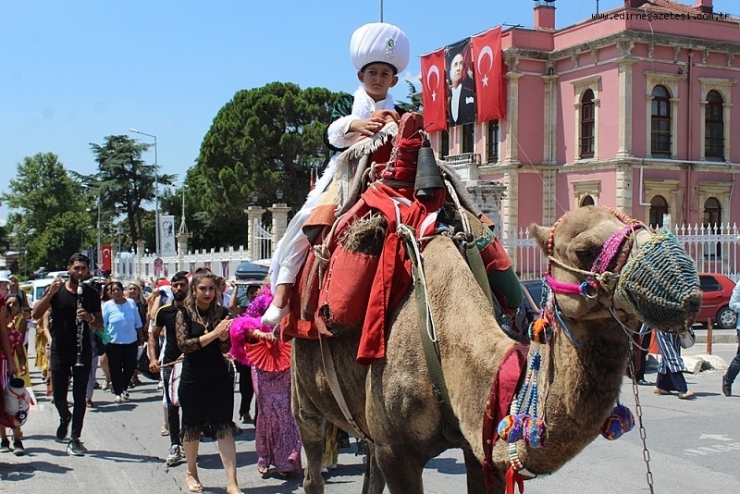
(92, 319)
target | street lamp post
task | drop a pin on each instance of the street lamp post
(98, 254)
(156, 190)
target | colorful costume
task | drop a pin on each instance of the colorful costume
(371, 43)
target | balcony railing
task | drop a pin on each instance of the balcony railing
(463, 159)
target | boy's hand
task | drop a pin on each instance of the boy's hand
(367, 126)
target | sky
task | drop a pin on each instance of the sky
(75, 71)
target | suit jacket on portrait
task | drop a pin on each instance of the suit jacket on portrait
(466, 108)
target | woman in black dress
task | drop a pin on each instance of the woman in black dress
(206, 389)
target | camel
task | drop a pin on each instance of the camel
(392, 401)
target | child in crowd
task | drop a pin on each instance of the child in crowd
(379, 51)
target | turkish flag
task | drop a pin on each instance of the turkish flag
(105, 255)
(434, 95)
(489, 77)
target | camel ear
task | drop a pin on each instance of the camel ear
(541, 234)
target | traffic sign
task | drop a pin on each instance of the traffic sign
(158, 262)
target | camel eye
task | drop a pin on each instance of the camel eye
(586, 257)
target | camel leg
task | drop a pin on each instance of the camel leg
(374, 482)
(312, 428)
(402, 472)
(476, 481)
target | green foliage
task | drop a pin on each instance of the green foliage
(61, 237)
(262, 140)
(47, 210)
(414, 96)
(124, 181)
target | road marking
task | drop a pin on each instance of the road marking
(716, 437)
(711, 450)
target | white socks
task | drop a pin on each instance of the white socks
(274, 315)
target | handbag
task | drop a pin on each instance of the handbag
(102, 340)
(688, 339)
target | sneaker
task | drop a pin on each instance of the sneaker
(175, 455)
(117, 399)
(160, 385)
(75, 448)
(18, 449)
(125, 396)
(5, 446)
(726, 386)
(63, 428)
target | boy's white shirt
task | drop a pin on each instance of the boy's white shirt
(291, 250)
(362, 107)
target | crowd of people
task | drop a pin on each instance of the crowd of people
(83, 323)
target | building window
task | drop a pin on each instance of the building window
(587, 201)
(587, 124)
(660, 141)
(712, 212)
(658, 211)
(712, 219)
(492, 141)
(468, 138)
(445, 144)
(714, 139)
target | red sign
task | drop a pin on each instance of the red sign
(434, 95)
(105, 257)
(489, 75)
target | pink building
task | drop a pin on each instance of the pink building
(636, 109)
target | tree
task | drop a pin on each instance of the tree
(124, 181)
(414, 96)
(47, 209)
(263, 139)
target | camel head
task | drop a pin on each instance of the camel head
(602, 264)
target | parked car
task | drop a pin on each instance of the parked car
(532, 290)
(247, 274)
(716, 292)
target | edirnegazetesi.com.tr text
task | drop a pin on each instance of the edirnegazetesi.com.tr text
(662, 16)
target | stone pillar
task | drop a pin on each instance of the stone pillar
(139, 274)
(488, 197)
(625, 107)
(254, 213)
(279, 223)
(549, 156)
(512, 111)
(182, 249)
(114, 268)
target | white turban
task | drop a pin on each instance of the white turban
(379, 42)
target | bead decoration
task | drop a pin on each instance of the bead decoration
(524, 423)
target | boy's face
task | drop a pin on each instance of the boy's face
(377, 78)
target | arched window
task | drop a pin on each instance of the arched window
(658, 210)
(714, 140)
(712, 218)
(587, 124)
(587, 201)
(660, 141)
(712, 212)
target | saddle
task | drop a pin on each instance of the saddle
(358, 270)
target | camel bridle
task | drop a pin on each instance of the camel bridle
(599, 280)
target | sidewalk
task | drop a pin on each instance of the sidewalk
(718, 335)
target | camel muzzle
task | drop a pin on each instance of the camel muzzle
(659, 283)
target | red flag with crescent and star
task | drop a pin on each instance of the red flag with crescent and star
(489, 75)
(105, 255)
(434, 95)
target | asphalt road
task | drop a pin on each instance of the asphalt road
(694, 446)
